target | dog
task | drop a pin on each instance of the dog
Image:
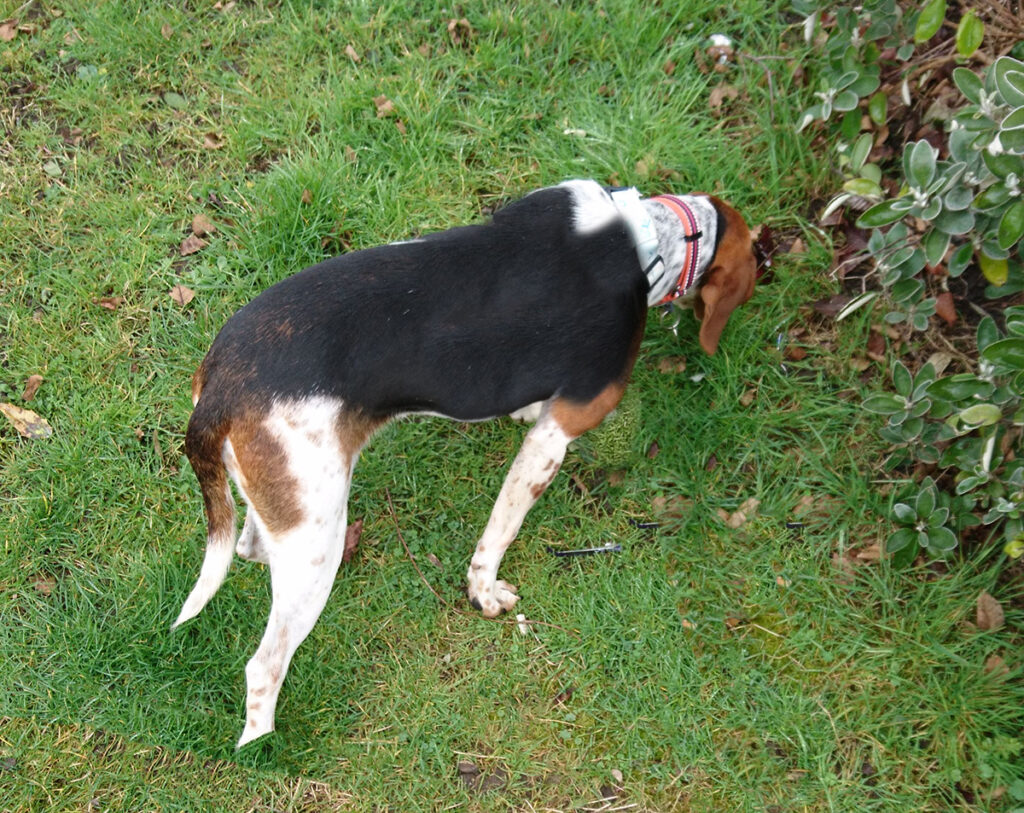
(539, 310)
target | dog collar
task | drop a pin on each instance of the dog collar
(699, 220)
(641, 227)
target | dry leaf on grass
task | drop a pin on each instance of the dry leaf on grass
(352, 53)
(27, 422)
(384, 105)
(672, 364)
(460, 31)
(111, 303)
(990, 615)
(182, 295)
(44, 584)
(213, 141)
(8, 30)
(996, 666)
(673, 507)
(721, 94)
(741, 516)
(202, 226)
(353, 534)
(191, 244)
(31, 387)
(166, 31)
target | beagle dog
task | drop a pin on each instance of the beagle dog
(543, 305)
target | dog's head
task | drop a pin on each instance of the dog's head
(729, 279)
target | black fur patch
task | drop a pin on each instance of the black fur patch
(471, 323)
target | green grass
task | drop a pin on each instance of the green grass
(716, 668)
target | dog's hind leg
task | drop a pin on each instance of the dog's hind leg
(303, 564)
(294, 470)
(250, 544)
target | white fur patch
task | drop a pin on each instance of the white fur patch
(593, 209)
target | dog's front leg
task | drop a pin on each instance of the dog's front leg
(534, 468)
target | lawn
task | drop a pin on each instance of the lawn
(747, 649)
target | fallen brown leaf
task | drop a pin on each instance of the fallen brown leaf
(794, 352)
(990, 615)
(384, 105)
(995, 665)
(672, 364)
(8, 30)
(435, 561)
(738, 518)
(460, 31)
(832, 305)
(673, 507)
(352, 53)
(350, 154)
(27, 422)
(353, 534)
(721, 94)
(400, 125)
(213, 141)
(190, 245)
(748, 397)
(44, 584)
(652, 450)
(876, 347)
(945, 308)
(111, 303)
(166, 31)
(31, 387)
(182, 295)
(202, 225)
(307, 197)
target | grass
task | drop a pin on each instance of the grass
(716, 668)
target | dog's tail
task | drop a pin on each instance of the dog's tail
(204, 445)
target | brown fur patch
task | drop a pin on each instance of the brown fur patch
(266, 479)
(538, 488)
(729, 282)
(354, 429)
(575, 419)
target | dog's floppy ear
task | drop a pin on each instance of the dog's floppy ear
(729, 282)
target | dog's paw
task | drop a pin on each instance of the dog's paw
(501, 598)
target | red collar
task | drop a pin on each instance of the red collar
(691, 235)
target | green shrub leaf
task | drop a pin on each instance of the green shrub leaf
(988, 332)
(941, 540)
(935, 244)
(863, 187)
(995, 270)
(969, 33)
(860, 150)
(1007, 82)
(1006, 353)
(959, 387)
(1011, 225)
(968, 83)
(878, 107)
(901, 539)
(930, 20)
(920, 165)
(881, 214)
(960, 259)
(981, 415)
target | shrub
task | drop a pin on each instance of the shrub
(954, 206)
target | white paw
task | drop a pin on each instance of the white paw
(500, 598)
